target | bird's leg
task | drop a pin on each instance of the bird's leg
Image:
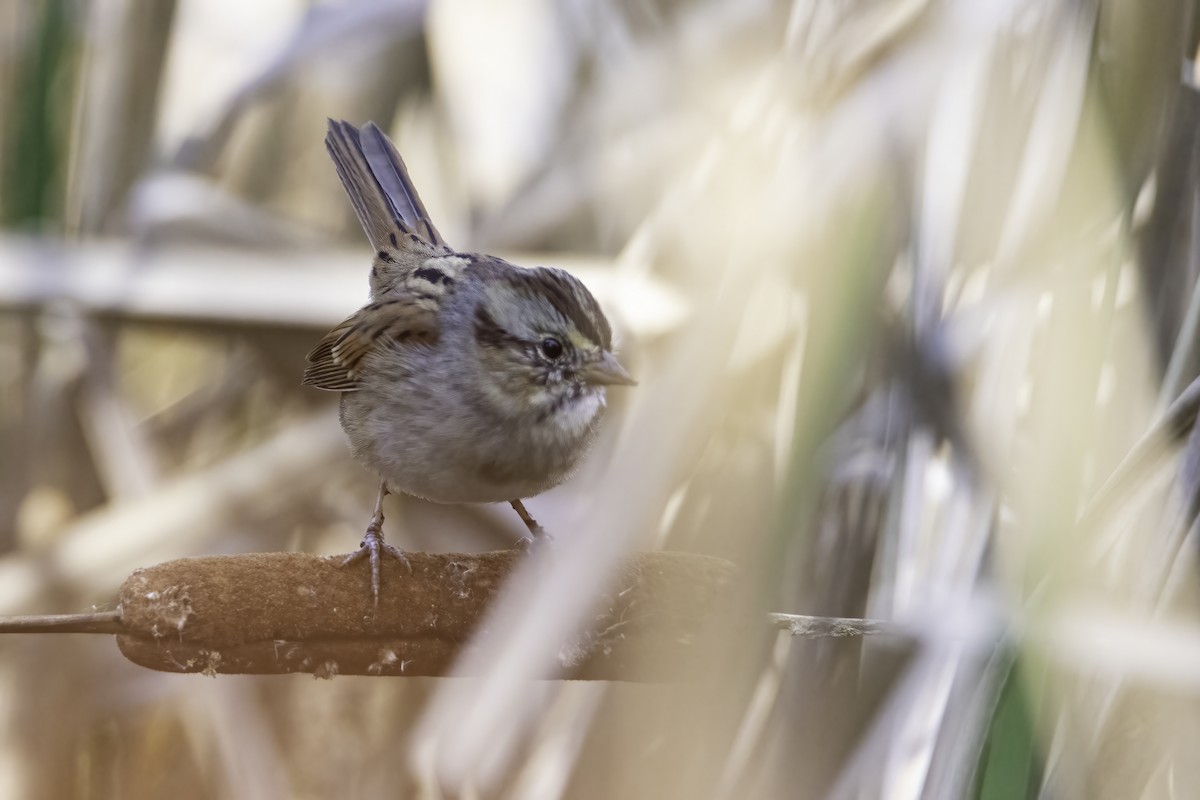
(373, 545)
(536, 532)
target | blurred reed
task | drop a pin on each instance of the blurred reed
(903, 284)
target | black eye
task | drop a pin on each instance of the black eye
(551, 348)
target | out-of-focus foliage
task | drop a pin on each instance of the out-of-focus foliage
(903, 283)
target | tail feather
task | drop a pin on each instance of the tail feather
(377, 182)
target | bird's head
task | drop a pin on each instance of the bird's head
(545, 347)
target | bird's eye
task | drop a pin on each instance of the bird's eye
(551, 348)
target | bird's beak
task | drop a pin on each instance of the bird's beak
(606, 372)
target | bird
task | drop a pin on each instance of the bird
(465, 378)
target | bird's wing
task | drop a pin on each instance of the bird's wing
(384, 198)
(405, 321)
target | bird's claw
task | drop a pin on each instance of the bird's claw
(537, 538)
(373, 549)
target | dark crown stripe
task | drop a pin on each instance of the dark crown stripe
(488, 332)
(570, 298)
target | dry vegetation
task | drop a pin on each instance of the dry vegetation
(911, 288)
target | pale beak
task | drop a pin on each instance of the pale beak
(606, 372)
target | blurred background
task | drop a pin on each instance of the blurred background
(910, 288)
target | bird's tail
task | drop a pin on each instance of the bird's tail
(384, 198)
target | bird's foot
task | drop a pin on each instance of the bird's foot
(373, 549)
(537, 534)
(537, 538)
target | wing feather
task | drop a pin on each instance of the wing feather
(334, 363)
